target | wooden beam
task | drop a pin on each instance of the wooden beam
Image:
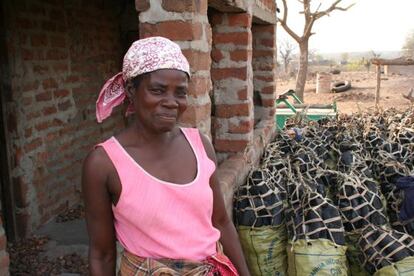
(397, 61)
(377, 93)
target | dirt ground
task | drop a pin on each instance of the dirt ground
(362, 94)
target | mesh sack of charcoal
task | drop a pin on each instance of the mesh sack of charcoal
(259, 218)
(390, 250)
(360, 204)
(317, 237)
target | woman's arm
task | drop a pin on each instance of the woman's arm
(229, 238)
(98, 211)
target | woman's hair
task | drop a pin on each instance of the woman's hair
(136, 81)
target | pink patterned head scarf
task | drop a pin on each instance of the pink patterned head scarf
(144, 56)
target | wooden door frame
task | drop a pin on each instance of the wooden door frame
(8, 207)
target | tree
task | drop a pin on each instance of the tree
(286, 49)
(303, 40)
(408, 48)
(344, 57)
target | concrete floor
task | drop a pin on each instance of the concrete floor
(68, 238)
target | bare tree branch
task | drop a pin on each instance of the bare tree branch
(283, 22)
(333, 7)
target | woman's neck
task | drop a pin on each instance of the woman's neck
(147, 136)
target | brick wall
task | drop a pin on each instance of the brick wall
(232, 73)
(264, 70)
(242, 60)
(268, 5)
(185, 23)
(61, 53)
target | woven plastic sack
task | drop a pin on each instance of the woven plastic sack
(265, 249)
(403, 268)
(316, 258)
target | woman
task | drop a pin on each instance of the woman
(153, 185)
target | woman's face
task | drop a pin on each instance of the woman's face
(161, 98)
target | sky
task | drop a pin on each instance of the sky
(370, 25)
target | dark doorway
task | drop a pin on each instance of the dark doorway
(6, 194)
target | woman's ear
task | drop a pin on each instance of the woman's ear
(130, 90)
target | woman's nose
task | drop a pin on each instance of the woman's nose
(170, 101)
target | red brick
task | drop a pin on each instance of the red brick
(33, 115)
(142, 5)
(27, 100)
(265, 78)
(49, 110)
(49, 83)
(268, 42)
(72, 79)
(61, 93)
(28, 132)
(27, 54)
(37, 9)
(260, 29)
(216, 55)
(49, 26)
(230, 145)
(268, 89)
(240, 19)
(199, 61)
(175, 30)
(58, 41)
(232, 110)
(225, 73)
(57, 15)
(242, 127)
(195, 114)
(65, 105)
(55, 54)
(40, 69)
(216, 18)
(263, 53)
(268, 102)
(45, 96)
(30, 86)
(42, 126)
(241, 38)
(239, 55)
(24, 23)
(242, 94)
(60, 68)
(199, 86)
(38, 40)
(181, 6)
(33, 145)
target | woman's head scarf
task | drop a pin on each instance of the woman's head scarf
(144, 56)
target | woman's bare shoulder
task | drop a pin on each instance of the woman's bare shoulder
(97, 165)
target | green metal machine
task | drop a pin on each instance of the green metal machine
(286, 109)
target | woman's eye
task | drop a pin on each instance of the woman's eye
(182, 93)
(156, 91)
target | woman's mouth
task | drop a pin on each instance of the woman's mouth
(168, 117)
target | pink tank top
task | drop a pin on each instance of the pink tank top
(158, 219)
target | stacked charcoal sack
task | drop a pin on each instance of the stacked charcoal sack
(342, 184)
(259, 218)
(316, 233)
